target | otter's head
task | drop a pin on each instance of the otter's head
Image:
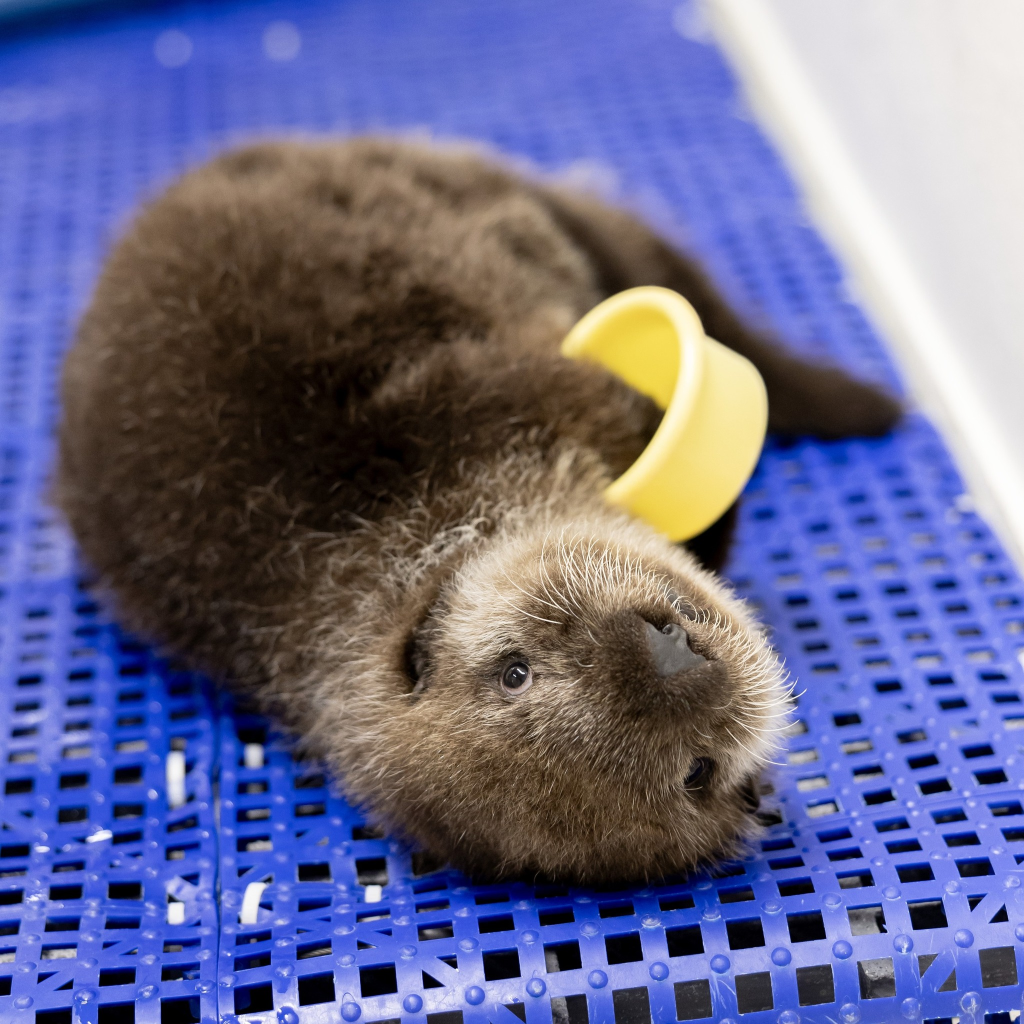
(582, 703)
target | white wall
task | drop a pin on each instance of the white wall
(917, 107)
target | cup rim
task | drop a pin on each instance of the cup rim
(689, 333)
(675, 423)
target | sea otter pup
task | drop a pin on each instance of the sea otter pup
(318, 441)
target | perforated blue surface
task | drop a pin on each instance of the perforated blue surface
(891, 888)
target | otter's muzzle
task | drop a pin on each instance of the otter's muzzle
(670, 649)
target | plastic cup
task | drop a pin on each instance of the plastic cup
(716, 408)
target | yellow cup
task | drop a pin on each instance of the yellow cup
(716, 407)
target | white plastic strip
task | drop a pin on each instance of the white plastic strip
(175, 912)
(175, 778)
(252, 755)
(249, 913)
(783, 96)
(373, 894)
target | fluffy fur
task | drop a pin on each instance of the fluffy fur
(318, 442)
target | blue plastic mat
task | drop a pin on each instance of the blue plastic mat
(890, 891)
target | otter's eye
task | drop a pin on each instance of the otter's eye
(517, 678)
(700, 769)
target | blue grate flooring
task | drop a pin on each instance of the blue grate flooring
(890, 891)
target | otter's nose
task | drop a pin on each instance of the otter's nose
(670, 649)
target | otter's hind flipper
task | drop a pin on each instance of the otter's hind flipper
(803, 397)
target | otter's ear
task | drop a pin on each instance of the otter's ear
(417, 659)
(750, 794)
(419, 648)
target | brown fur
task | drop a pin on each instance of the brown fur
(318, 441)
